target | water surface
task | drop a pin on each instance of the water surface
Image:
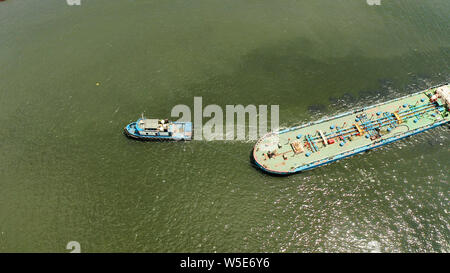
(68, 174)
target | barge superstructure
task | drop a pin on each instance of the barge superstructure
(318, 143)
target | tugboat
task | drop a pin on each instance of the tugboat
(158, 129)
(319, 143)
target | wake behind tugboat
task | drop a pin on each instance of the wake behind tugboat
(318, 143)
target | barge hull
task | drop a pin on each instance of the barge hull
(320, 143)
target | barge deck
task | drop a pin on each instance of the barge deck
(318, 143)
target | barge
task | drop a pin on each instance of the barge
(319, 143)
(158, 129)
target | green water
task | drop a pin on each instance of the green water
(67, 173)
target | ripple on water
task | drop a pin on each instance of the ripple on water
(375, 202)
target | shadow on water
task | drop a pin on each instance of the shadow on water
(299, 77)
